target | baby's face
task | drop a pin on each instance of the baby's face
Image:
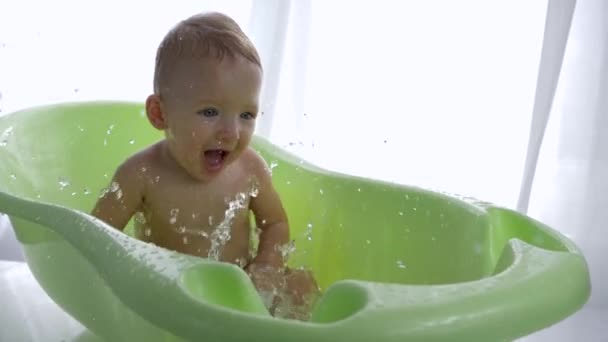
(210, 110)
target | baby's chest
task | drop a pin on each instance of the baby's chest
(188, 206)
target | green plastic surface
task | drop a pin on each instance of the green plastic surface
(396, 263)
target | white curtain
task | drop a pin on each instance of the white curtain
(570, 188)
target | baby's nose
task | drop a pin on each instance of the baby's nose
(229, 131)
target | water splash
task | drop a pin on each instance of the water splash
(308, 233)
(116, 190)
(287, 249)
(221, 234)
(273, 164)
(63, 183)
(173, 215)
(5, 136)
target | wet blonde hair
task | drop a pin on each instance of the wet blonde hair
(202, 35)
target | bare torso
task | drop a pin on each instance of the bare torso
(181, 214)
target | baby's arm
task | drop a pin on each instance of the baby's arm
(122, 198)
(270, 218)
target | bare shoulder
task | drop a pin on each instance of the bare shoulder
(255, 164)
(131, 171)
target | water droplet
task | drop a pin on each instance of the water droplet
(401, 213)
(368, 242)
(173, 215)
(309, 232)
(105, 142)
(263, 221)
(63, 183)
(156, 179)
(204, 234)
(273, 164)
(210, 220)
(288, 182)
(401, 264)
(80, 128)
(73, 193)
(321, 191)
(287, 249)
(147, 231)
(358, 189)
(13, 176)
(185, 240)
(5, 136)
(132, 141)
(181, 229)
(144, 169)
(254, 192)
(109, 130)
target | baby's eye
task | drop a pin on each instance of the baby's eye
(208, 112)
(248, 116)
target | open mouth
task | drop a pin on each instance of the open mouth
(214, 159)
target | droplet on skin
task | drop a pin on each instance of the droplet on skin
(173, 215)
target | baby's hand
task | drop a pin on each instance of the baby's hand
(269, 280)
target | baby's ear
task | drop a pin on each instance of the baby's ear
(155, 113)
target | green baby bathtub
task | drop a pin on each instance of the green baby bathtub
(395, 263)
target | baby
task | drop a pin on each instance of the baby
(193, 191)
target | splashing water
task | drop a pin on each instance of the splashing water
(63, 183)
(115, 188)
(5, 136)
(309, 232)
(287, 249)
(221, 234)
(273, 164)
(173, 215)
